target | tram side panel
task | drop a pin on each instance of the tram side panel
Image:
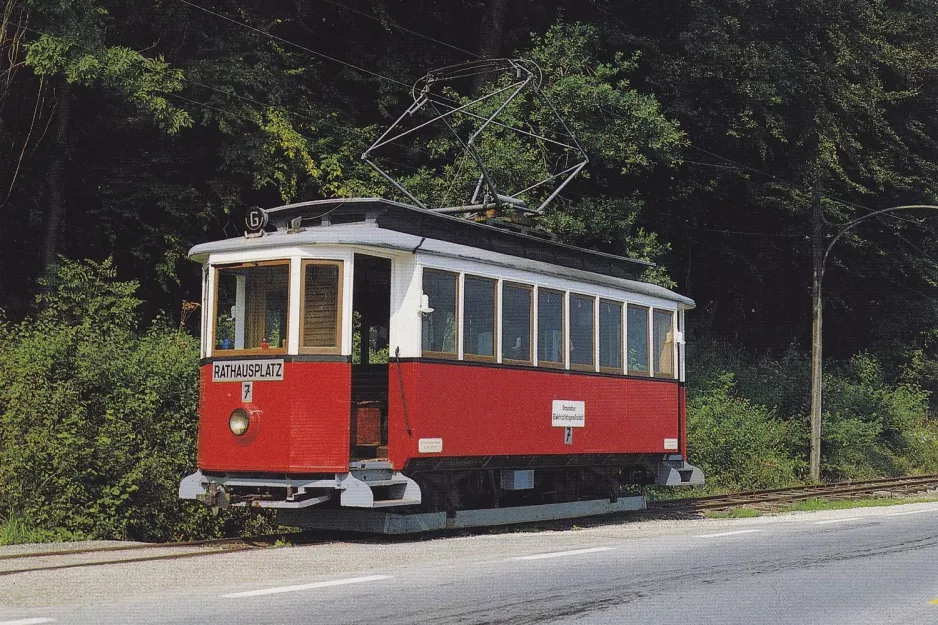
(298, 425)
(466, 410)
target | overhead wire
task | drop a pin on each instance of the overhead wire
(295, 45)
(794, 186)
(191, 81)
(734, 164)
(745, 232)
(402, 28)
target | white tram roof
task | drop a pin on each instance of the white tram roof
(380, 223)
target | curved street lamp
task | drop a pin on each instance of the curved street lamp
(820, 263)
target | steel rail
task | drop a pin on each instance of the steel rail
(108, 548)
(223, 545)
(174, 556)
(840, 490)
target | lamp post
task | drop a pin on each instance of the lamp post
(820, 261)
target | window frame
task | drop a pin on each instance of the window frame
(552, 364)
(622, 352)
(592, 300)
(648, 341)
(462, 319)
(532, 344)
(216, 268)
(425, 353)
(656, 373)
(337, 350)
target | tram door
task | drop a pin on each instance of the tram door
(371, 315)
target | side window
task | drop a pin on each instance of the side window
(664, 343)
(637, 340)
(478, 318)
(516, 323)
(321, 307)
(582, 332)
(550, 321)
(610, 336)
(251, 304)
(439, 326)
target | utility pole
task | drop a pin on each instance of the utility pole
(817, 319)
(817, 308)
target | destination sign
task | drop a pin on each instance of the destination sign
(247, 370)
(568, 414)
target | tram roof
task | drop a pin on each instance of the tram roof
(409, 219)
(384, 223)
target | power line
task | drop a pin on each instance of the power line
(596, 4)
(295, 45)
(714, 165)
(321, 121)
(745, 232)
(748, 168)
(792, 185)
(399, 27)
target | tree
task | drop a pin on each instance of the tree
(827, 100)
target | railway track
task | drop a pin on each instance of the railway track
(103, 555)
(777, 497)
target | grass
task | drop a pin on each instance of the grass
(15, 531)
(735, 513)
(817, 503)
(812, 505)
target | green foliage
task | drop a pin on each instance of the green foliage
(77, 53)
(871, 427)
(610, 224)
(97, 420)
(813, 505)
(622, 129)
(15, 530)
(735, 513)
(738, 444)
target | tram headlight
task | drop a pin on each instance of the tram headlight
(239, 421)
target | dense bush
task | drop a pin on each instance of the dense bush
(740, 445)
(97, 419)
(872, 427)
(748, 418)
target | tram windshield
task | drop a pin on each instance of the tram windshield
(251, 304)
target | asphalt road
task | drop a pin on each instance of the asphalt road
(856, 567)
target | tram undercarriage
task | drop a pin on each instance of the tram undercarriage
(467, 492)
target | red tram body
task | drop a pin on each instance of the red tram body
(370, 354)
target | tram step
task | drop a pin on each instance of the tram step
(387, 503)
(391, 482)
(358, 493)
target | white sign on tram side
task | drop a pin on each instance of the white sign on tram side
(247, 370)
(566, 413)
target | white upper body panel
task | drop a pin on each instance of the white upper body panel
(409, 255)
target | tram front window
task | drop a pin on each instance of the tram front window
(251, 305)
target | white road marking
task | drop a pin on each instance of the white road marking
(721, 534)
(314, 585)
(561, 554)
(912, 512)
(843, 520)
(29, 621)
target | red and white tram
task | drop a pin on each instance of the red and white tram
(366, 354)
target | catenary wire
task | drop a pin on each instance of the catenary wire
(191, 81)
(402, 28)
(397, 82)
(295, 45)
